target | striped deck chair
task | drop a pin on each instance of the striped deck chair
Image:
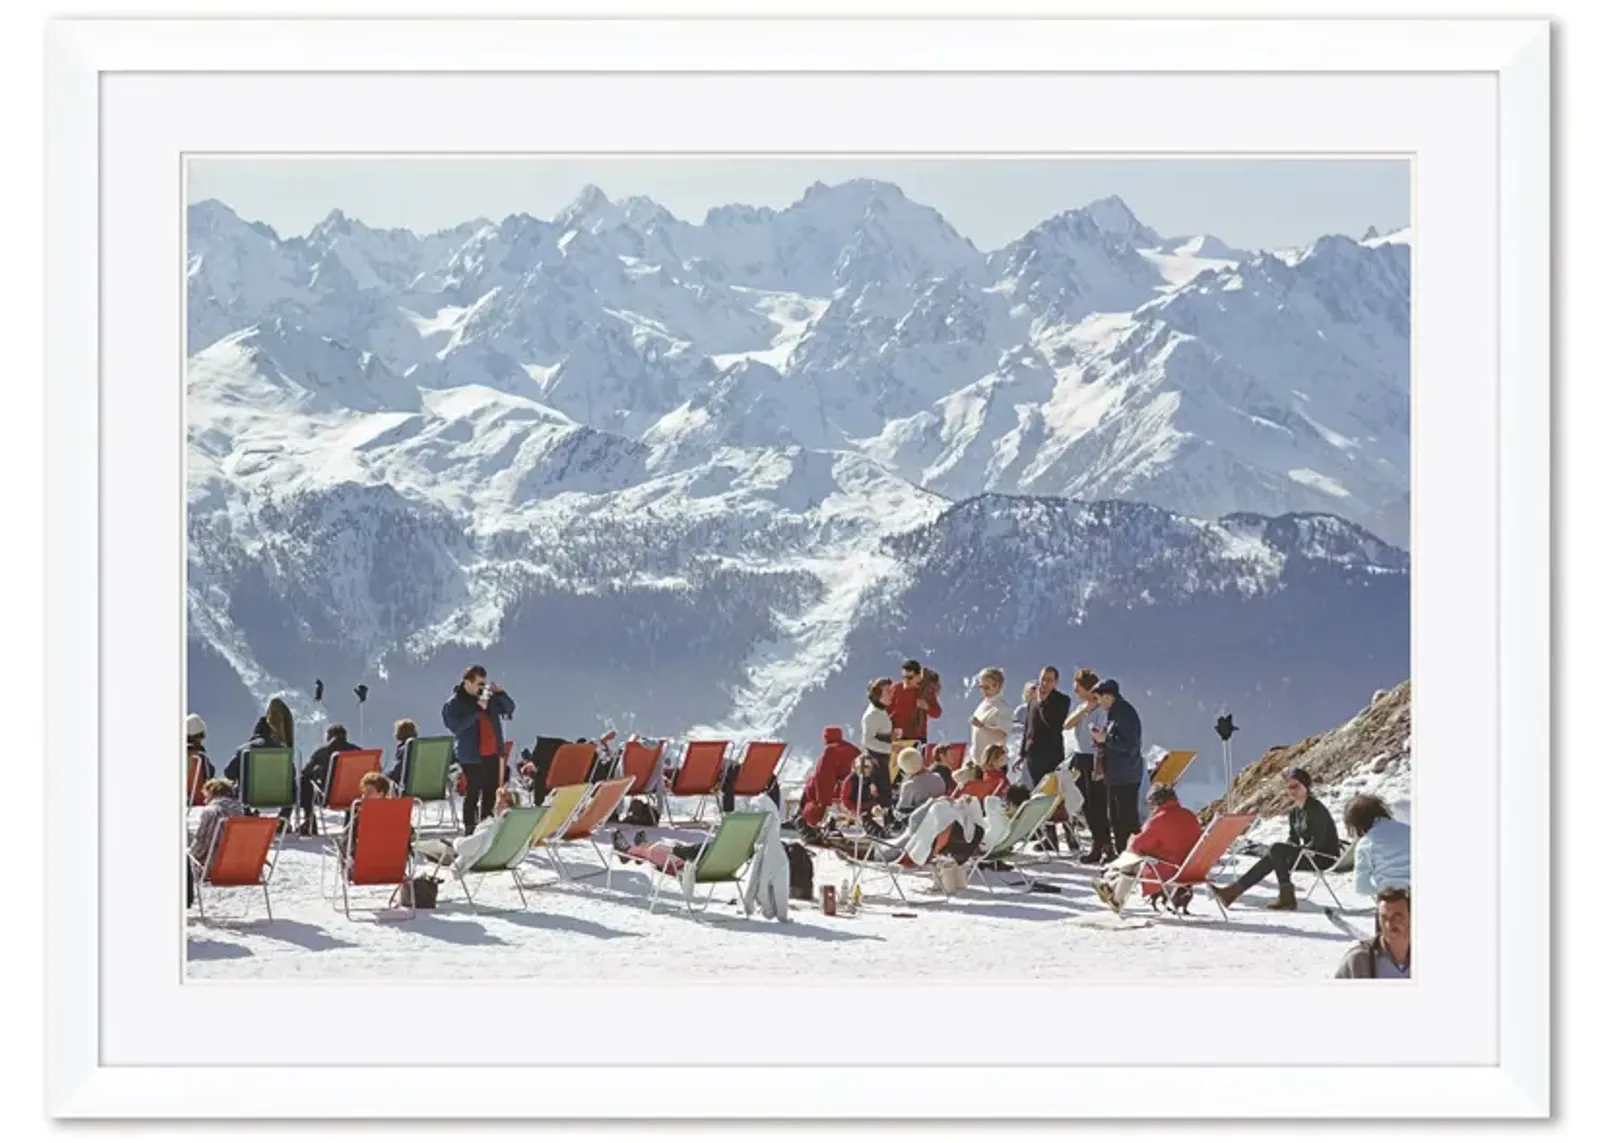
(1172, 767)
(603, 801)
(722, 859)
(266, 778)
(639, 765)
(242, 857)
(698, 775)
(571, 765)
(425, 776)
(1025, 826)
(1220, 835)
(512, 834)
(379, 849)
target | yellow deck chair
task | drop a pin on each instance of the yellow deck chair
(564, 804)
(894, 757)
(1172, 767)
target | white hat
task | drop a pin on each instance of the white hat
(194, 726)
(910, 760)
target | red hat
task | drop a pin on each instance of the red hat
(832, 734)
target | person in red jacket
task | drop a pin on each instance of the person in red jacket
(822, 788)
(1167, 837)
(991, 780)
(913, 701)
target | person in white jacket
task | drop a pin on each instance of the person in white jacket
(1383, 846)
(990, 722)
(468, 849)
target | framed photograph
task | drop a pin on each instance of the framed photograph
(706, 559)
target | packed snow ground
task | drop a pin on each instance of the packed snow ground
(580, 930)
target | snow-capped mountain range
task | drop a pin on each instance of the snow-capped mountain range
(717, 465)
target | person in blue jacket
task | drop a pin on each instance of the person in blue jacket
(472, 715)
(1120, 744)
(1383, 846)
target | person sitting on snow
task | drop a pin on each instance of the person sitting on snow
(1383, 846)
(1167, 837)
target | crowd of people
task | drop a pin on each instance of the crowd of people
(1086, 746)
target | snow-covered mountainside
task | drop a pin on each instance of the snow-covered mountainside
(707, 475)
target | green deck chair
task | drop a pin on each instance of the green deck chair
(722, 859)
(425, 775)
(1025, 826)
(266, 778)
(513, 833)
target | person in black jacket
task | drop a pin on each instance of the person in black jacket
(472, 714)
(1043, 747)
(194, 732)
(1120, 744)
(317, 770)
(273, 729)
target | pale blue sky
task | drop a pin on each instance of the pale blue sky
(1253, 203)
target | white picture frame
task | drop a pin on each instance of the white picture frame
(1472, 1034)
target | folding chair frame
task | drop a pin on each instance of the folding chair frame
(688, 899)
(667, 795)
(203, 869)
(1015, 855)
(1304, 861)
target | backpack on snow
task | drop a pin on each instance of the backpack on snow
(801, 873)
(641, 813)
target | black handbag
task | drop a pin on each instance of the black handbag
(420, 893)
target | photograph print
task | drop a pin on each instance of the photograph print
(778, 567)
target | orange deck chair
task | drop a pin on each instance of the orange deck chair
(240, 858)
(381, 842)
(194, 782)
(570, 766)
(603, 802)
(758, 767)
(1219, 837)
(639, 764)
(344, 780)
(698, 775)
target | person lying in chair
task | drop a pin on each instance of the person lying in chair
(858, 793)
(1167, 837)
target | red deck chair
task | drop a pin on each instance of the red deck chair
(1224, 830)
(698, 775)
(639, 764)
(571, 765)
(758, 768)
(194, 781)
(240, 858)
(602, 803)
(344, 778)
(381, 840)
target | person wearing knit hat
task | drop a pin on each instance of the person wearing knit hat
(194, 733)
(1313, 841)
(918, 786)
